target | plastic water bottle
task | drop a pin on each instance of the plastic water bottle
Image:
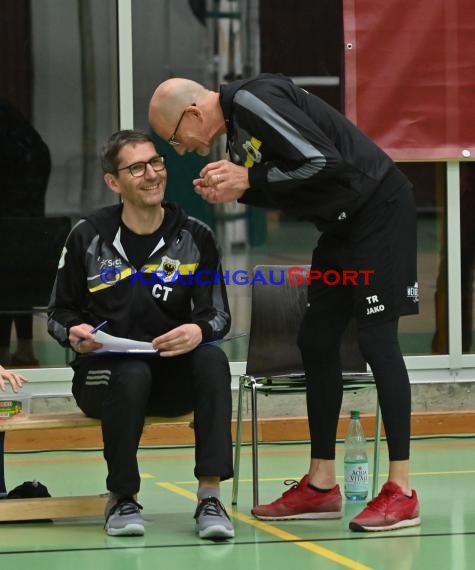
(356, 461)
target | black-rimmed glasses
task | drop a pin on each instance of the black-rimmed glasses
(138, 169)
(172, 140)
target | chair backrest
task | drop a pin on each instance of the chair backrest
(30, 249)
(276, 313)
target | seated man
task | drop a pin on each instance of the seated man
(137, 266)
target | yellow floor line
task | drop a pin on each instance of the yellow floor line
(412, 474)
(421, 473)
(279, 533)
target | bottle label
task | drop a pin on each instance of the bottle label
(356, 476)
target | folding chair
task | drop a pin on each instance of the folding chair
(274, 363)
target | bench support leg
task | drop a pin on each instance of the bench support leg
(3, 489)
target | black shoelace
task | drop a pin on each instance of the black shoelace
(211, 506)
(125, 506)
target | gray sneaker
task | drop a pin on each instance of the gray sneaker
(124, 518)
(212, 520)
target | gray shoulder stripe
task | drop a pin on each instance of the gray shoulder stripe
(92, 248)
(305, 172)
(317, 160)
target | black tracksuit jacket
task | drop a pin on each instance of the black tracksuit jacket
(95, 281)
(304, 157)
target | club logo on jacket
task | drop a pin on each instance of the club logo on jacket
(253, 155)
(168, 268)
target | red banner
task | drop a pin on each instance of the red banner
(410, 75)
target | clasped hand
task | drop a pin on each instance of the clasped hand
(221, 182)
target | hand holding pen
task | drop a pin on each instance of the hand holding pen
(81, 337)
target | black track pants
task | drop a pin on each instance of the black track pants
(123, 390)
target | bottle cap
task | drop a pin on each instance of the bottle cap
(355, 415)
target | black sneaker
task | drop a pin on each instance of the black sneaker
(212, 520)
(124, 518)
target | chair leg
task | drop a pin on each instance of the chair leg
(377, 450)
(255, 442)
(3, 489)
(237, 445)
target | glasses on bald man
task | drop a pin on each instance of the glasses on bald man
(172, 140)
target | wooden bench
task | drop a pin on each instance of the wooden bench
(55, 507)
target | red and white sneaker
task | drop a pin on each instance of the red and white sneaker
(390, 510)
(302, 502)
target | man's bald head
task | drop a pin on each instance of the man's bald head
(169, 100)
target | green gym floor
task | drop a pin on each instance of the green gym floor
(443, 473)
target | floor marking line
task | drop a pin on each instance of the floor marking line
(417, 474)
(340, 448)
(75, 459)
(100, 458)
(53, 460)
(279, 533)
(464, 472)
(216, 545)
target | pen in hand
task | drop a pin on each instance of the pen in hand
(94, 330)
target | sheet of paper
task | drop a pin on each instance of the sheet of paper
(117, 344)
